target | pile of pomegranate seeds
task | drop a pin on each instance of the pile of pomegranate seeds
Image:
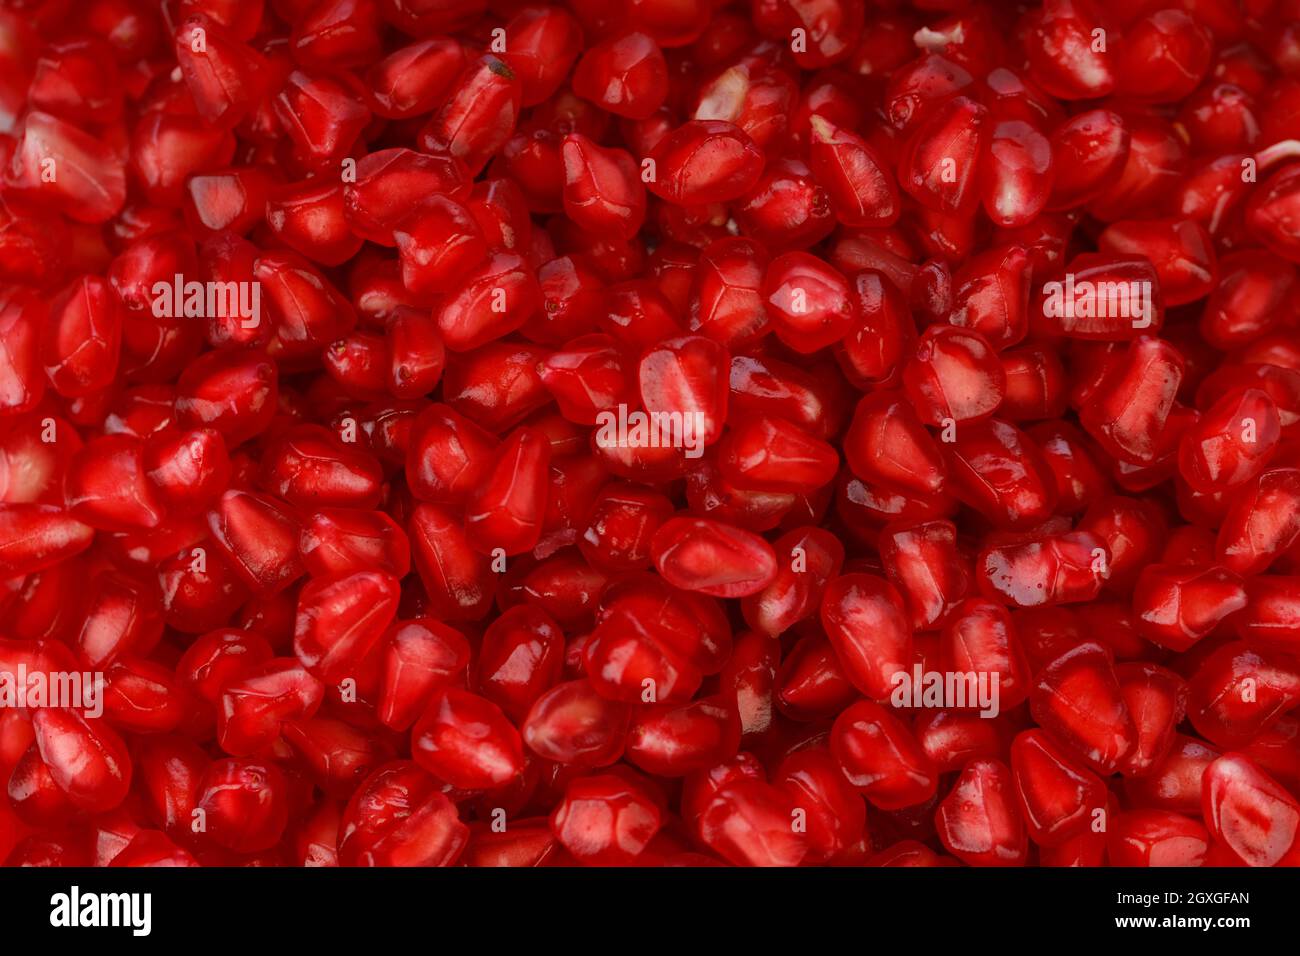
(650, 432)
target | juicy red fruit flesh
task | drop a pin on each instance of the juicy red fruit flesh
(605, 421)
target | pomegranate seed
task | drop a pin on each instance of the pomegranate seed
(1157, 838)
(855, 177)
(704, 161)
(879, 756)
(748, 823)
(467, 741)
(1059, 798)
(84, 177)
(938, 167)
(979, 822)
(399, 817)
(865, 618)
(1060, 45)
(626, 75)
(713, 558)
(89, 764)
(1078, 699)
(605, 820)
(1164, 57)
(1250, 812)
(479, 115)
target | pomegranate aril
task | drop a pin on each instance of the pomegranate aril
(459, 581)
(1254, 816)
(768, 454)
(259, 537)
(1131, 411)
(940, 160)
(391, 185)
(467, 741)
(187, 470)
(1178, 606)
(200, 590)
(748, 823)
(448, 456)
(880, 756)
(87, 761)
(495, 299)
(672, 740)
(411, 79)
(1163, 57)
(954, 375)
(106, 486)
(704, 161)
(1063, 57)
(1237, 692)
(254, 705)
(419, 656)
(1156, 699)
(865, 619)
(951, 737)
(698, 554)
(479, 115)
(309, 465)
(1088, 150)
(1157, 838)
(341, 619)
(625, 74)
(84, 177)
(1059, 798)
(245, 804)
(979, 637)
(338, 34)
(887, 442)
(504, 513)
(1017, 175)
(1269, 618)
(979, 822)
(321, 116)
(1078, 700)
(855, 177)
(605, 820)
(1051, 570)
(232, 392)
(571, 724)
(81, 340)
(400, 817)
(1175, 782)
(998, 470)
(603, 192)
(1231, 442)
(787, 208)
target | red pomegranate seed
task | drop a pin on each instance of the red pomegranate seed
(399, 817)
(713, 558)
(1077, 698)
(88, 762)
(467, 741)
(1164, 56)
(979, 822)
(245, 804)
(1237, 692)
(605, 820)
(1254, 817)
(1059, 798)
(704, 161)
(1157, 838)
